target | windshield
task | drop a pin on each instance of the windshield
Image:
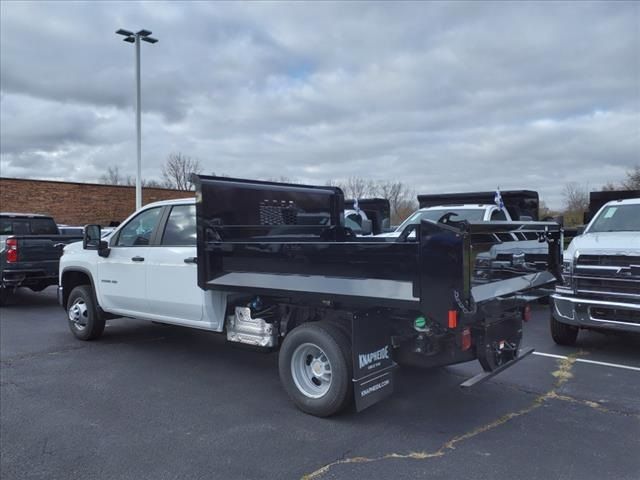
(617, 218)
(470, 214)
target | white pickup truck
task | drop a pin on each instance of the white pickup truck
(469, 212)
(601, 275)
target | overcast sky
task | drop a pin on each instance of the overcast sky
(443, 96)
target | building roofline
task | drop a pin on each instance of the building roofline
(87, 183)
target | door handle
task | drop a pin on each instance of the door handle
(137, 259)
(191, 260)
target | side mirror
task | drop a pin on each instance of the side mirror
(91, 238)
(367, 227)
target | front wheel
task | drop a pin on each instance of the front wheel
(562, 333)
(315, 368)
(85, 321)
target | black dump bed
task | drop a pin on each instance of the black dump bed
(287, 241)
(519, 203)
(598, 199)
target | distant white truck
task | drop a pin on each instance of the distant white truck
(601, 275)
(473, 207)
(503, 253)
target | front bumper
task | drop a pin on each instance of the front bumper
(594, 313)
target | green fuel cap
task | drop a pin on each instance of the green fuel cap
(420, 323)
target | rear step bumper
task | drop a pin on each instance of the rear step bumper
(484, 376)
(17, 278)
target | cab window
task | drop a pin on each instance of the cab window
(181, 226)
(498, 215)
(138, 231)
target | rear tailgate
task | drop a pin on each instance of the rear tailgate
(42, 248)
(37, 262)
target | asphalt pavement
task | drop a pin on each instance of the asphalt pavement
(149, 401)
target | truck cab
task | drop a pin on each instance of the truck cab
(150, 271)
(601, 275)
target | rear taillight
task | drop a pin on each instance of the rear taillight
(465, 339)
(12, 250)
(526, 313)
(453, 318)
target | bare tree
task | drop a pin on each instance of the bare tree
(131, 181)
(633, 179)
(610, 186)
(112, 176)
(358, 187)
(576, 202)
(399, 196)
(576, 198)
(178, 169)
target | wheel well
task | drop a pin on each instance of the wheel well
(71, 280)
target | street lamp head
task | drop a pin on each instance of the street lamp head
(130, 39)
(124, 32)
(144, 33)
(150, 39)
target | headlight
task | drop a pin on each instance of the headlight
(483, 262)
(567, 268)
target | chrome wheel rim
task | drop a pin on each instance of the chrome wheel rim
(79, 314)
(311, 370)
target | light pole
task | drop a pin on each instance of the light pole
(131, 37)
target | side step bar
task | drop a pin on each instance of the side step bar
(481, 377)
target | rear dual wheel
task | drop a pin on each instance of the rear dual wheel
(315, 368)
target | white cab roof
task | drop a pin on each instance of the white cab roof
(179, 201)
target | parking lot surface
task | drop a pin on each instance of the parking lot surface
(149, 401)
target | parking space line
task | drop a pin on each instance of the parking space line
(594, 362)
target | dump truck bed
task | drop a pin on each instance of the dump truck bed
(288, 240)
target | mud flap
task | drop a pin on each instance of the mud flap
(373, 368)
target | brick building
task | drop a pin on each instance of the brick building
(77, 203)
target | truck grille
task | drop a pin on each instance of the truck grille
(616, 276)
(615, 315)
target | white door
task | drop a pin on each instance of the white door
(172, 271)
(122, 276)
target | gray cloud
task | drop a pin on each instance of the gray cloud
(444, 96)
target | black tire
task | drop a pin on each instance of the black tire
(5, 294)
(562, 333)
(336, 347)
(85, 322)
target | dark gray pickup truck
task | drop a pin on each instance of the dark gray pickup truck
(30, 249)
